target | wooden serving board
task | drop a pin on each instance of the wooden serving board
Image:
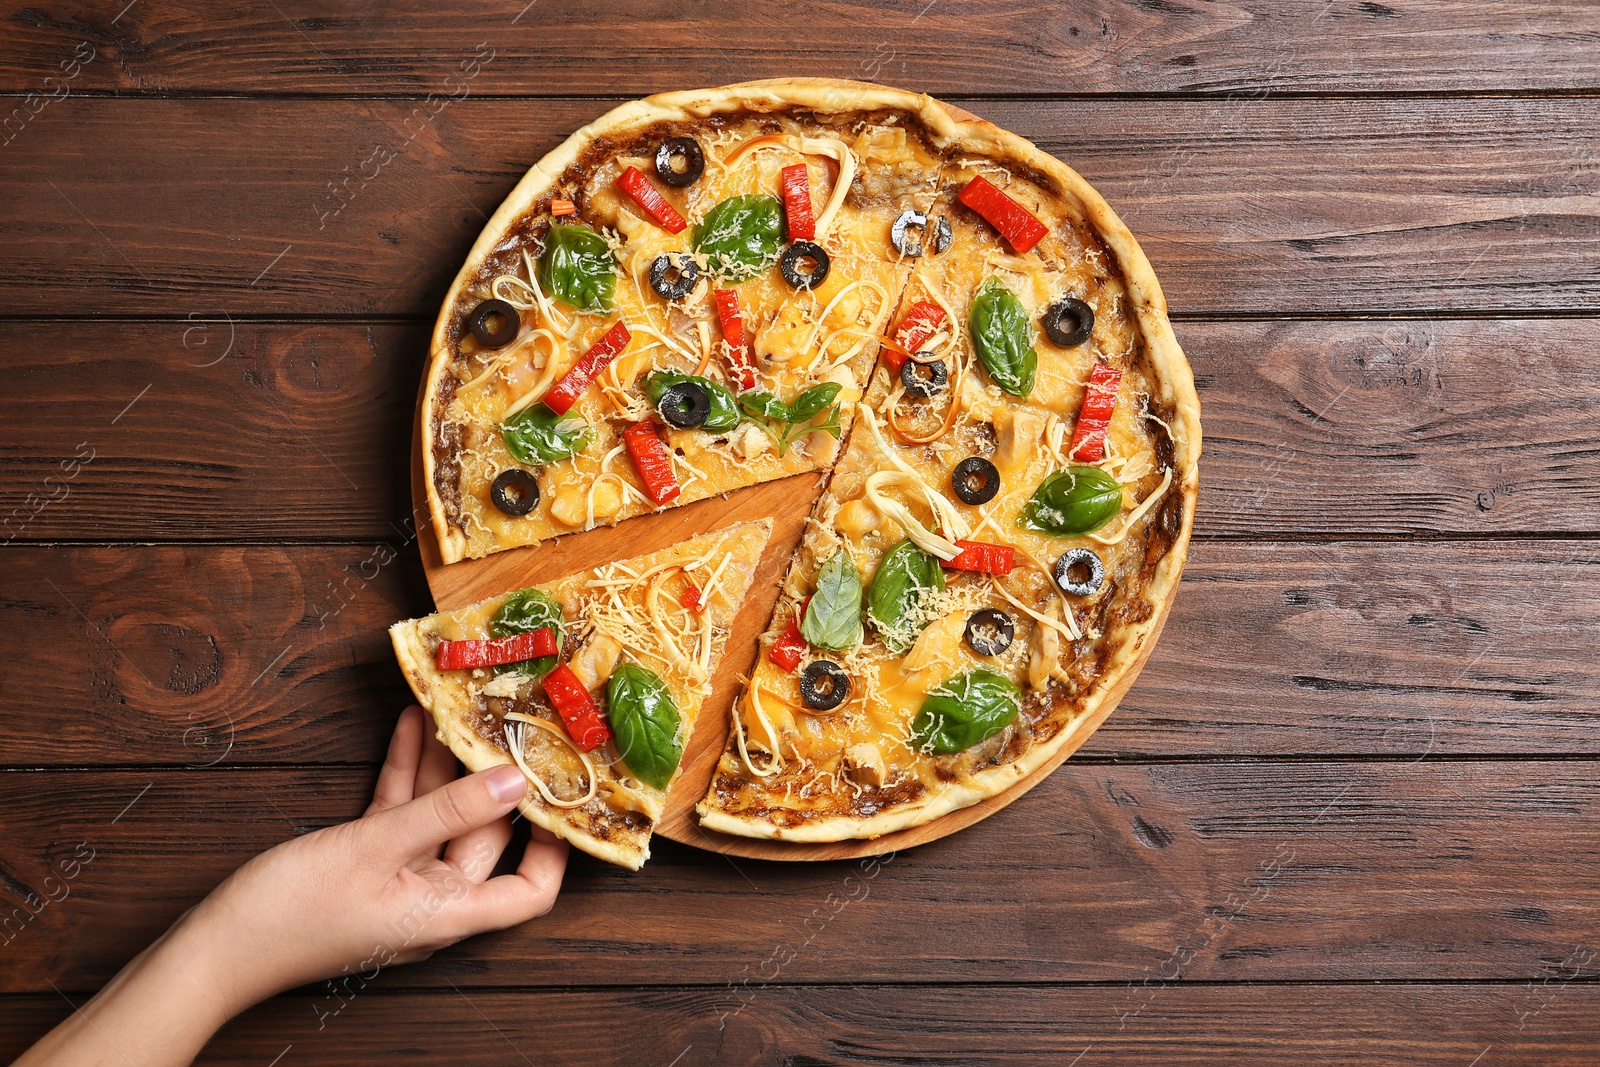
(788, 503)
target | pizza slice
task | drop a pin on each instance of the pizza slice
(591, 684)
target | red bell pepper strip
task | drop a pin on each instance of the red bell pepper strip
(693, 598)
(650, 459)
(1099, 401)
(464, 655)
(741, 369)
(984, 557)
(572, 701)
(1015, 222)
(787, 650)
(797, 203)
(649, 198)
(566, 392)
(916, 329)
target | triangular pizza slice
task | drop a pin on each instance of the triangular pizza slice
(591, 684)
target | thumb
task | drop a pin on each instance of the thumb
(421, 825)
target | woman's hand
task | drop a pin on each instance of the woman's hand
(409, 877)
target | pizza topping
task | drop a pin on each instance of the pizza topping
(578, 268)
(912, 248)
(536, 435)
(864, 763)
(1068, 322)
(647, 724)
(1016, 223)
(739, 237)
(788, 649)
(975, 480)
(1003, 338)
(651, 461)
(824, 685)
(785, 423)
(1137, 513)
(905, 595)
(482, 322)
(528, 611)
(674, 275)
(515, 492)
(515, 728)
(832, 617)
(796, 181)
(595, 660)
(1094, 417)
(916, 329)
(572, 385)
(840, 153)
(577, 709)
(923, 380)
(680, 161)
(693, 598)
(1079, 572)
(561, 208)
(989, 632)
(794, 265)
(685, 405)
(964, 711)
(470, 655)
(633, 182)
(741, 369)
(1078, 500)
(722, 409)
(983, 557)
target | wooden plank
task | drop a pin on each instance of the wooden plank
(1259, 871)
(998, 46)
(1548, 1021)
(300, 431)
(1272, 650)
(1281, 207)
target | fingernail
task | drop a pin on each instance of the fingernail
(506, 783)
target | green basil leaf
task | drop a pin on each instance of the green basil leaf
(814, 400)
(536, 435)
(1003, 338)
(901, 603)
(578, 269)
(764, 405)
(645, 720)
(965, 710)
(523, 612)
(833, 618)
(740, 236)
(1075, 501)
(724, 408)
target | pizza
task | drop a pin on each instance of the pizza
(591, 684)
(705, 290)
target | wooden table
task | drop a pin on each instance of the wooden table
(1349, 812)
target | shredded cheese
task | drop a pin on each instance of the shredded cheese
(1137, 513)
(515, 728)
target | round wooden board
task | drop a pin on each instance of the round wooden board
(788, 503)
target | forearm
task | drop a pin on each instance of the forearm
(159, 1010)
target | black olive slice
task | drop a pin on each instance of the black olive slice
(903, 242)
(924, 379)
(942, 236)
(1079, 572)
(989, 632)
(975, 480)
(824, 685)
(485, 313)
(515, 492)
(664, 266)
(686, 149)
(1069, 322)
(685, 405)
(791, 263)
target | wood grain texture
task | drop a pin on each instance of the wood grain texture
(996, 46)
(1272, 650)
(1279, 207)
(1549, 1021)
(1308, 871)
(1312, 428)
